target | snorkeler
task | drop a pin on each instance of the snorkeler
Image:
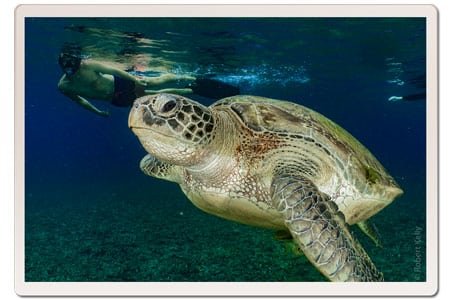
(90, 79)
(87, 78)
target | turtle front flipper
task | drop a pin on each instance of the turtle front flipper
(151, 166)
(320, 230)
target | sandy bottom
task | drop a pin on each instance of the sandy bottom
(163, 237)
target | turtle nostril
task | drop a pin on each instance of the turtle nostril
(147, 117)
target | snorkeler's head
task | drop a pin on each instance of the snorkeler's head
(70, 59)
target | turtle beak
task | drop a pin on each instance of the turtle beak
(133, 117)
(138, 112)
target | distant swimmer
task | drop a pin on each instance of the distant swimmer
(86, 78)
(411, 97)
(419, 82)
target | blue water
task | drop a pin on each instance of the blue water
(91, 215)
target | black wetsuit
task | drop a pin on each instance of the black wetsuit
(124, 92)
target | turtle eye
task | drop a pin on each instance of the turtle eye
(168, 106)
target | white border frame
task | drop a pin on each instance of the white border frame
(427, 288)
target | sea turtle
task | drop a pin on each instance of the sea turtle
(273, 164)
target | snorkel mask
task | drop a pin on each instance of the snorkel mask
(70, 58)
(69, 63)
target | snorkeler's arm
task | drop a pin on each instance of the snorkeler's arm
(86, 104)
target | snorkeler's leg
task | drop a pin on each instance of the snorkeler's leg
(213, 88)
(185, 91)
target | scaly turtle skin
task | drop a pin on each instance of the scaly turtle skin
(272, 164)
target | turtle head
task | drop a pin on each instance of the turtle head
(172, 128)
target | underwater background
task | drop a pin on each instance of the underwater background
(92, 215)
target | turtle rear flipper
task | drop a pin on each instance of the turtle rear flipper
(282, 235)
(320, 230)
(371, 231)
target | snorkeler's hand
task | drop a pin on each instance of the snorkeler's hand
(104, 113)
(141, 82)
